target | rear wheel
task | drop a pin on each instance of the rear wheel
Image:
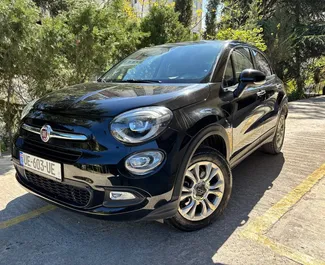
(275, 146)
(205, 191)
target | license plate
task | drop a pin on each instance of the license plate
(41, 165)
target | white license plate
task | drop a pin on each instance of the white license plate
(41, 165)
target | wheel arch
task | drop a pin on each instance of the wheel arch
(283, 103)
(212, 136)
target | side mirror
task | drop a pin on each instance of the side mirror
(249, 77)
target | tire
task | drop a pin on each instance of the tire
(199, 194)
(275, 146)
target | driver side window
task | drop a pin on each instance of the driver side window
(229, 78)
(239, 60)
(242, 60)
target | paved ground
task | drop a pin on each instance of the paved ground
(276, 215)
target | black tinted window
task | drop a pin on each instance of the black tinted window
(262, 64)
(229, 79)
(242, 60)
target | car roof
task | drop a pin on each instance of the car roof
(219, 43)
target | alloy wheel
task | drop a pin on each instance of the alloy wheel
(280, 132)
(202, 191)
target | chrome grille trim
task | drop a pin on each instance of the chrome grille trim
(55, 134)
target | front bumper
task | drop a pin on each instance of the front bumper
(141, 208)
(96, 166)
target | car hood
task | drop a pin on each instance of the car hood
(110, 99)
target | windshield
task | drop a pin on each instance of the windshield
(180, 64)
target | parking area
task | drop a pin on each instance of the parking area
(276, 215)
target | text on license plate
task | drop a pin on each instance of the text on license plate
(42, 165)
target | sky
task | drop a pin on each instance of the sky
(204, 4)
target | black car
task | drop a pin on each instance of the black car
(156, 136)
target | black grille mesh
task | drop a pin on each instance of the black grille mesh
(63, 192)
(51, 152)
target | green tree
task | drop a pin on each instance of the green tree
(279, 38)
(251, 36)
(71, 47)
(162, 26)
(211, 19)
(50, 68)
(81, 43)
(308, 17)
(185, 10)
(294, 34)
(17, 41)
(235, 16)
(231, 27)
(52, 7)
(98, 37)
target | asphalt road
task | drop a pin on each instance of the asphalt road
(275, 216)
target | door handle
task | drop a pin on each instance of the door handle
(261, 93)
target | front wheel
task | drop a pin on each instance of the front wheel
(205, 191)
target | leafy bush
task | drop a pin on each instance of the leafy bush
(3, 146)
(162, 26)
(38, 56)
(83, 42)
(292, 92)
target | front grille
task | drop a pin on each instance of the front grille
(51, 152)
(64, 192)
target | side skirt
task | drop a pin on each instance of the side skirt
(240, 157)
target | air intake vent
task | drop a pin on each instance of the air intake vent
(69, 194)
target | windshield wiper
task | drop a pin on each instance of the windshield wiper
(140, 81)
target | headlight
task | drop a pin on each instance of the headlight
(27, 109)
(140, 125)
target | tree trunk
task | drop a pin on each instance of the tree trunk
(299, 79)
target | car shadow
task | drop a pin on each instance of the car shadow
(89, 240)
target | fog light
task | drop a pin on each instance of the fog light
(144, 162)
(121, 195)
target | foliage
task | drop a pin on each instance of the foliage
(210, 19)
(318, 70)
(52, 7)
(3, 146)
(304, 32)
(279, 38)
(162, 26)
(98, 37)
(253, 36)
(293, 32)
(18, 29)
(316, 75)
(249, 32)
(292, 92)
(184, 8)
(72, 47)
